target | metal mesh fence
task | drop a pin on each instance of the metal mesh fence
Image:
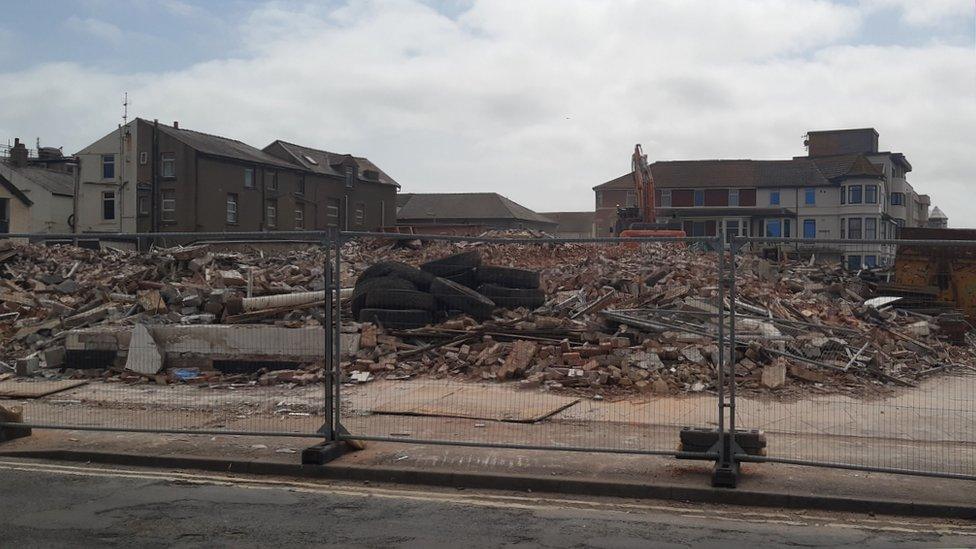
(528, 342)
(223, 335)
(857, 353)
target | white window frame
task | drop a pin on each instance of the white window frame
(232, 208)
(143, 205)
(248, 178)
(167, 165)
(143, 158)
(108, 160)
(299, 219)
(109, 197)
(271, 209)
(665, 198)
(733, 193)
(631, 200)
(168, 206)
(359, 214)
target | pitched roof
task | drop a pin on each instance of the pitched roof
(572, 222)
(323, 161)
(225, 147)
(53, 181)
(464, 206)
(800, 171)
(936, 213)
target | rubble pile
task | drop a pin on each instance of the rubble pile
(605, 320)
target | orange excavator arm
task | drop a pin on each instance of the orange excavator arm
(644, 184)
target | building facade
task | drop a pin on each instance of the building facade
(151, 177)
(844, 188)
(36, 192)
(466, 213)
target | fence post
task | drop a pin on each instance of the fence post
(331, 447)
(726, 470)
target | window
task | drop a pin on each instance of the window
(854, 194)
(232, 208)
(699, 197)
(897, 199)
(774, 198)
(731, 229)
(631, 199)
(143, 205)
(169, 166)
(108, 166)
(332, 212)
(248, 178)
(299, 219)
(843, 195)
(300, 186)
(854, 228)
(143, 158)
(843, 228)
(733, 197)
(774, 228)
(272, 214)
(169, 206)
(810, 196)
(359, 215)
(870, 194)
(854, 262)
(4, 215)
(870, 261)
(870, 228)
(809, 228)
(271, 181)
(350, 173)
(787, 224)
(108, 205)
(666, 198)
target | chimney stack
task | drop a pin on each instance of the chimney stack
(18, 154)
(176, 124)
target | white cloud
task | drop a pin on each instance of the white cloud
(541, 101)
(97, 28)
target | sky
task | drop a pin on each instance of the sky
(537, 100)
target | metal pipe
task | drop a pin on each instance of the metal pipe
(328, 377)
(853, 467)
(283, 300)
(172, 431)
(720, 250)
(337, 331)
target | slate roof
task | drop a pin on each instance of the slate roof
(572, 222)
(464, 206)
(215, 145)
(324, 160)
(797, 172)
(54, 182)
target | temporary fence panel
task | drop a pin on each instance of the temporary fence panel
(220, 335)
(857, 353)
(573, 344)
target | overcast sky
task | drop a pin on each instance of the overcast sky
(538, 100)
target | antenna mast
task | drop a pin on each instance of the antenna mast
(125, 108)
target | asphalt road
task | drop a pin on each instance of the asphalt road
(45, 504)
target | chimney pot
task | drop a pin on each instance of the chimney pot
(176, 124)
(18, 154)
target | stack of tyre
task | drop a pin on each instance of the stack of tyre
(399, 296)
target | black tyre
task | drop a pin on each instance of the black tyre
(453, 264)
(418, 278)
(400, 299)
(363, 287)
(453, 296)
(397, 319)
(464, 278)
(512, 298)
(508, 277)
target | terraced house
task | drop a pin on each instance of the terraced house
(151, 177)
(844, 188)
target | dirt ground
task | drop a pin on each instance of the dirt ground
(931, 427)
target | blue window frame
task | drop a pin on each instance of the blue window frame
(810, 196)
(809, 228)
(774, 198)
(699, 198)
(774, 228)
(855, 194)
(108, 166)
(870, 261)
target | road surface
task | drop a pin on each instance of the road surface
(46, 504)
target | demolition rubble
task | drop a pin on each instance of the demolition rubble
(604, 320)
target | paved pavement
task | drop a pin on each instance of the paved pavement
(47, 504)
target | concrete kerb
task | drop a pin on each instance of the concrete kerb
(514, 482)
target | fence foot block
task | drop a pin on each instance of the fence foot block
(324, 452)
(10, 432)
(725, 475)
